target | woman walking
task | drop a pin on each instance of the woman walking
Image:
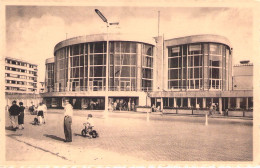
(21, 116)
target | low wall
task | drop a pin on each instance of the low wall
(240, 113)
(203, 112)
(143, 109)
(185, 111)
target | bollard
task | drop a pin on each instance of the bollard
(105, 114)
(206, 116)
(147, 117)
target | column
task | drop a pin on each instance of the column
(106, 104)
(174, 102)
(247, 103)
(203, 102)
(161, 103)
(188, 102)
(139, 68)
(220, 105)
(69, 68)
(237, 102)
(181, 102)
(229, 103)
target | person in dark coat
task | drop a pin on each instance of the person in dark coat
(14, 110)
(21, 116)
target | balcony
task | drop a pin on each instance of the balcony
(97, 88)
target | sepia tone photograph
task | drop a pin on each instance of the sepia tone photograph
(128, 85)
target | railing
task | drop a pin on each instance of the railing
(97, 88)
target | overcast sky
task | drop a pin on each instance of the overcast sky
(33, 31)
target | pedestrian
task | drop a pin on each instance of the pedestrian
(68, 121)
(129, 105)
(210, 109)
(21, 116)
(44, 113)
(40, 113)
(133, 105)
(115, 105)
(13, 113)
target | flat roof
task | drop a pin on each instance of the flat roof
(20, 60)
(198, 39)
(49, 60)
(103, 37)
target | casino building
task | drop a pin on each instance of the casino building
(185, 72)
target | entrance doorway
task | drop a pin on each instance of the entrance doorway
(123, 103)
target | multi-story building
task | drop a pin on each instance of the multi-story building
(243, 76)
(20, 79)
(186, 72)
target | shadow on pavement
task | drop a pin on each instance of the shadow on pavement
(13, 135)
(75, 134)
(10, 128)
(54, 137)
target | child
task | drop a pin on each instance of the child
(90, 122)
(21, 116)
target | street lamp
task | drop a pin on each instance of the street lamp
(116, 23)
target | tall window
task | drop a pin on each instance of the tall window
(198, 66)
(122, 66)
(147, 67)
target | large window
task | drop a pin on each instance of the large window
(198, 66)
(147, 67)
(123, 56)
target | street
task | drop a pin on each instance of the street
(131, 138)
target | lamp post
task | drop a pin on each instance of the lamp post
(107, 58)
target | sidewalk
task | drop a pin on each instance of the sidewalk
(130, 138)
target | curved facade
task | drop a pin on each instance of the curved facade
(82, 66)
(80, 69)
(49, 74)
(199, 63)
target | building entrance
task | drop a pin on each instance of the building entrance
(123, 103)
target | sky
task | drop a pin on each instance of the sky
(33, 31)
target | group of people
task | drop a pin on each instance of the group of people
(15, 112)
(122, 105)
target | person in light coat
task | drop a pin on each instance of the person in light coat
(68, 121)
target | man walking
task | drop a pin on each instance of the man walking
(13, 113)
(68, 121)
(44, 113)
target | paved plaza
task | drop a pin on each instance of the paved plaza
(131, 138)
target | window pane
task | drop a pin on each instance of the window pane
(196, 73)
(174, 74)
(98, 59)
(173, 63)
(125, 59)
(125, 47)
(215, 73)
(81, 60)
(125, 72)
(99, 47)
(132, 71)
(99, 71)
(133, 59)
(197, 61)
(133, 48)
(117, 59)
(76, 50)
(111, 59)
